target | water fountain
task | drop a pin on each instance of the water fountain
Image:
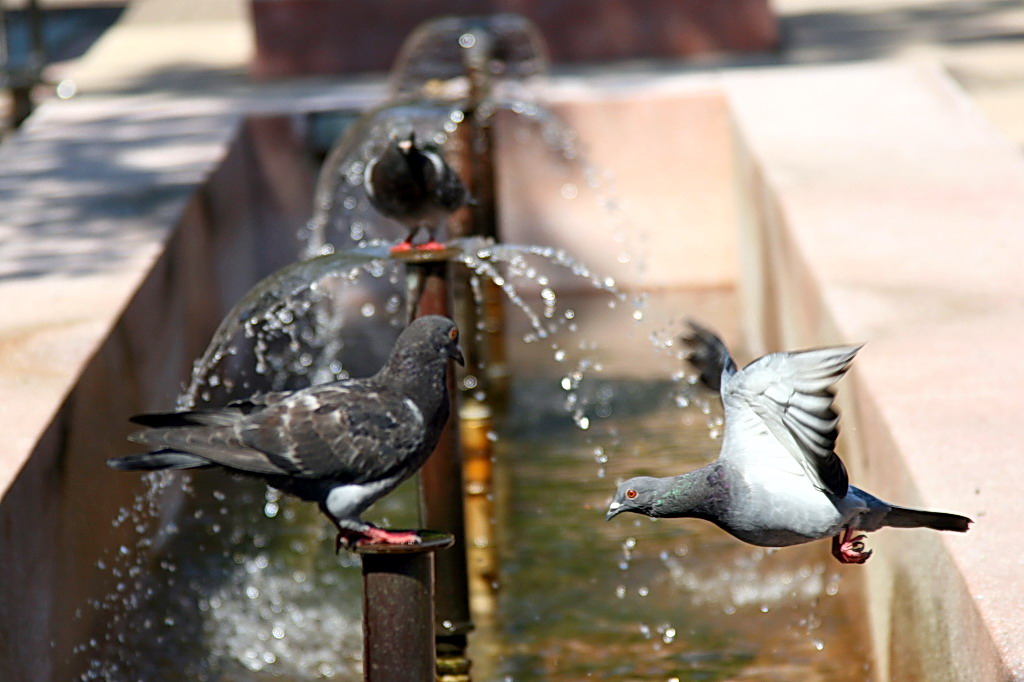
(270, 325)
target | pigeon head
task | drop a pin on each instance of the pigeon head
(636, 495)
(426, 340)
(406, 144)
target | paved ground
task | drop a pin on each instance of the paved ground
(981, 43)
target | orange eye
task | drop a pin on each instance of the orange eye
(631, 494)
(453, 334)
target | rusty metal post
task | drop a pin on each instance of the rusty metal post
(441, 487)
(475, 160)
(398, 610)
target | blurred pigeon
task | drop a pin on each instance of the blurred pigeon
(777, 480)
(343, 444)
(414, 186)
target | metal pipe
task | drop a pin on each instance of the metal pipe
(398, 609)
(475, 160)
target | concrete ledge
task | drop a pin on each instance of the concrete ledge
(129, 226)
(890, 212)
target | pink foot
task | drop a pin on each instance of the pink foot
(850, 550)
(379, 536)
(348, 539)
(431, 246)
(402, 247)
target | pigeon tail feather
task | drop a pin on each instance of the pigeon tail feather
(194, 418)
(155, 461)
(902, 517)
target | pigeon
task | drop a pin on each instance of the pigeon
(343, 444)
(413, 185)
(777, 480)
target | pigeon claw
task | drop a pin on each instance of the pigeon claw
(402, 247)
(347, 539)
(850, 549)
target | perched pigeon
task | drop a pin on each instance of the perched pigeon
(343, 444)
(414, 186)
(777, 480)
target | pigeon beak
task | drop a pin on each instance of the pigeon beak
(455, 353)
(614, 509)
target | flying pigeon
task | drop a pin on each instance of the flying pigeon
(777, 480)
(414, 186)
(343, 444)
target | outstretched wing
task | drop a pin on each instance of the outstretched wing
(709, 355)
(789, 397)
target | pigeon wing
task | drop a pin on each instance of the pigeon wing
(348, 432)
(213, 435)
(791, 395)
(709, 355)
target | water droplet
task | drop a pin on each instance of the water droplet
(66, 89)
(467, 40)
(570, 191)
(368, 309)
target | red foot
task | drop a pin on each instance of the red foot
(379, 536)
(850, 550)
(402, 247)
(348, 539)
(431, 246)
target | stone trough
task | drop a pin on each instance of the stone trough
(868, 202)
